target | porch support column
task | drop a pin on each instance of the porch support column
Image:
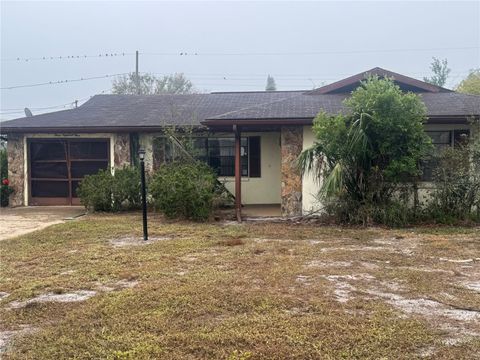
(238, 173)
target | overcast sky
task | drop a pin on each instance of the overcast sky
(301, 44)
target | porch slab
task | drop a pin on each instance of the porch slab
(23, 220)
(262, 210)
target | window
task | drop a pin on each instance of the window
(221, 156)
(442, 140)
(219, 153)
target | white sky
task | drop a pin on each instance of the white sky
(238, 43)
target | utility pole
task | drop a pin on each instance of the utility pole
(137, 79)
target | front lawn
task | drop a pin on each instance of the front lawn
(91, 289)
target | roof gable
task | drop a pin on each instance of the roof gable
(405, 83)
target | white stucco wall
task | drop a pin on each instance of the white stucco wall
(310, 186)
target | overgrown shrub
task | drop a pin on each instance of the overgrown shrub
(5, 189)
(456, 179)
(365, 156)
(184, 190)
(107, 192)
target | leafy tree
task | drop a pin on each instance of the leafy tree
(471, 84)
(271, 86)
(362, 156)
(148, 84)
(440, 72)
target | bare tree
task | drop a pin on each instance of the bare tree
(440, 72)
(149, 84)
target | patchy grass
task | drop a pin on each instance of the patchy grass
(256, 291)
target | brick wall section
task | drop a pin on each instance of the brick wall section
(121, 150)
(291, 147)
(16, 168)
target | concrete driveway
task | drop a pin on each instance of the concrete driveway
(23, 220)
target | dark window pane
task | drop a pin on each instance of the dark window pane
(200, 148)
(439, 137)
(221, 156)
(254, 159)
(50, 189)
(47, 150)
(49, 170)
(89, 150)
(81, 168)
(75, 184)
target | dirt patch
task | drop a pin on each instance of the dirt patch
(458, 261)
(117, 285)
(76, 296)
(342, 286)
(426, 307)
(231, 242)
(324, 264)
(127, 241)
(24, 220)
(475, 286)
(6, 336)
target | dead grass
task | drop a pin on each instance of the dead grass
(257, 291)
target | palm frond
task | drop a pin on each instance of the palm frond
(334, 181)
(310, 161)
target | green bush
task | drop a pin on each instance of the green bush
(456, 179)
(366, 155)
(106, 192)
(184, 190)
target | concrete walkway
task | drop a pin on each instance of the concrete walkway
(23, 220)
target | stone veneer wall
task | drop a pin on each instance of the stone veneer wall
(291, 147)
(121, 150)
(16, 168)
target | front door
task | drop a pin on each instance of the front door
(56, 167)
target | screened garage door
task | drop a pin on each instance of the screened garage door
(56, 167)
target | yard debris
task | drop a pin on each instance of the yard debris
(3, 295)
(75, 296)
(136, 241)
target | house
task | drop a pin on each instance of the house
(251, 139)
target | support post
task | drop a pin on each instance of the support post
(141, 154)
(238, 173)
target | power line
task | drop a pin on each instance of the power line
(109, 55)
(61, 81)
(185, 53)
(105, 55)
(12, 111)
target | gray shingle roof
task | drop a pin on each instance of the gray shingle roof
(154, 111)
(307, 106)
(146, 110)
